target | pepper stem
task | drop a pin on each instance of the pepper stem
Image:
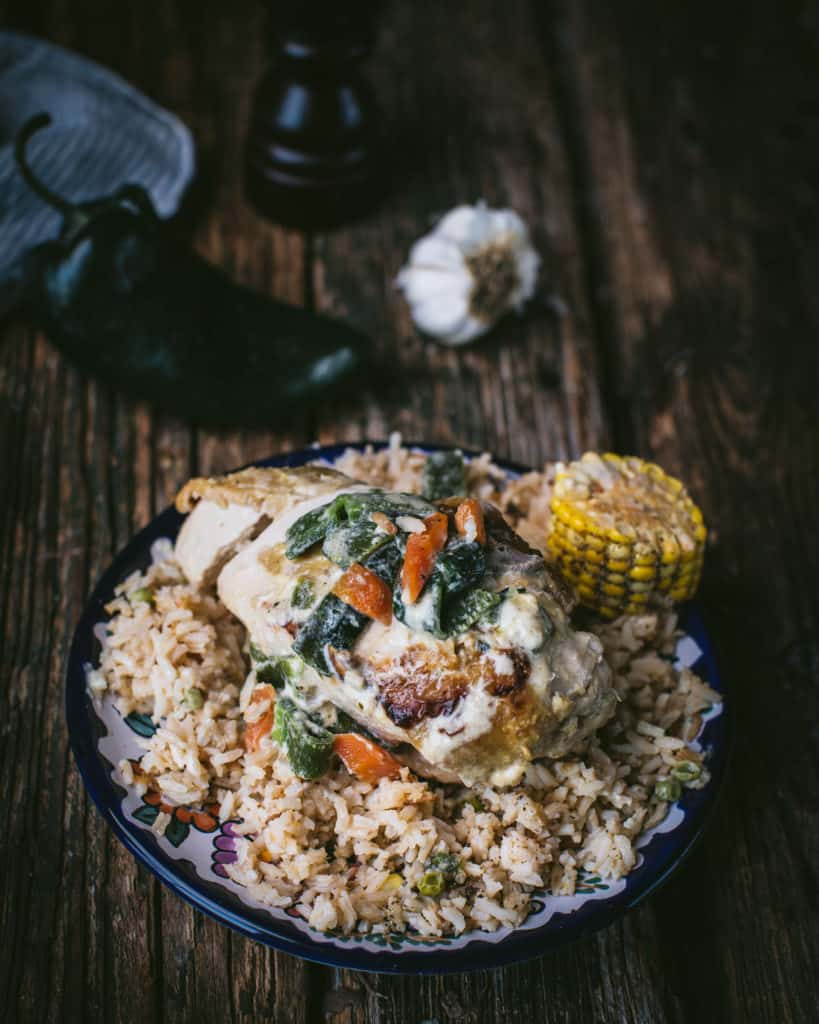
(30, 128)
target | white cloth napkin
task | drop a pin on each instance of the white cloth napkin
(104, 134)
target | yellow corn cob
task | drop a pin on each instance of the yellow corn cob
(624, 532)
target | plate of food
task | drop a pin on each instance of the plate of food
(403, 708)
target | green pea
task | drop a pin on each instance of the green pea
(194, 698)
(668, 790)
(686, 771)
(447, 863)
(474, 802)
(142, 595)
(431, 883)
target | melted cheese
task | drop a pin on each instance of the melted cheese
(421, 614)
(285, 574)
(257, 584)
(520, 622)
(471, 718)
(485, 737)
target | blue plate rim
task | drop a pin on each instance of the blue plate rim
(668, 850)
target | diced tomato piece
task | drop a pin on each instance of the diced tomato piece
(469, 521)
(437, 526)
(419, 560)
(263, 726)
(366, 592)
(365, 759)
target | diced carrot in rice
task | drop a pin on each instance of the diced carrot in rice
(262, 726)
(365, 759)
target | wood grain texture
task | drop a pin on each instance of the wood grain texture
(471, 115)
(700, 181)
(667, 162)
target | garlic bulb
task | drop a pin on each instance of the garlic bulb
(472, 268)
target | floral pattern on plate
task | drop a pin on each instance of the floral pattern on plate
(210, 844)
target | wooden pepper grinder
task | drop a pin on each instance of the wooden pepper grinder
(313, 158)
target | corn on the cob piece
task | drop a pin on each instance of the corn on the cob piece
(623, 532)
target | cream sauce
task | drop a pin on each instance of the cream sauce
(258, 586)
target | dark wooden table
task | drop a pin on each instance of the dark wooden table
(666, 157)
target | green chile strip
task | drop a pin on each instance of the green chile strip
(333, 623)
(443, 475)
(460, 566)
(279, 670)
(311, 528)
(303, 593)
(315, 525)
(451, 600)
(337, 624)
(468, 609)
(309, 747)
(353, 543)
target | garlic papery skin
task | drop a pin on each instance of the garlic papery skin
(473, 267)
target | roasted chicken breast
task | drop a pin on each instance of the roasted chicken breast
(433, 626)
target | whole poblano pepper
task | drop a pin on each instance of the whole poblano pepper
(129, 303)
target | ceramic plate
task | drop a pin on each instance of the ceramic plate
(189, 858)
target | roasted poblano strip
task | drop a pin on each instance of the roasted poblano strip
(386, 561)
(337, 624)
(444, 475)
(354, 542)
(279, 670)
(311, 528)
(460, 566)
(256, 653)
(391, 503)
(344, 723)
(467, 609)
(458, 569)
(303, 593)
(308, 746)
(333, 623)
(315, 525)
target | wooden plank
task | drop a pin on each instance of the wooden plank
(702, 194)
(471, 98)
(471, 116)
(143, 953)
(257, 982)
(66, 878)
(216, 973)
(673, 193)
